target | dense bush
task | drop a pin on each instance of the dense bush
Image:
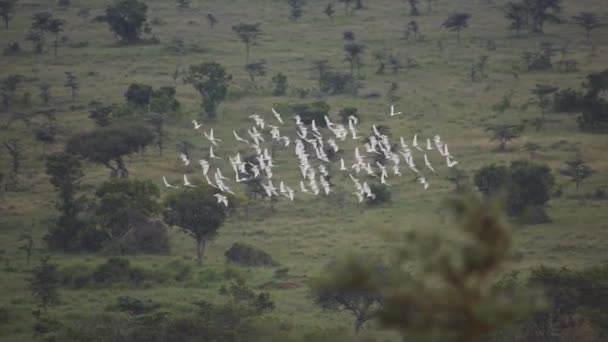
(248, 255)
(135, 306)
(336, 83)
(346, 112)
(568, 101)
(528, 187)
(312, 111)
(145, 97)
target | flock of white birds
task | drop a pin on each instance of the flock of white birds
(312, 146)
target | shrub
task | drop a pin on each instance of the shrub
(247, 255)
(336, 83)
(135, 306)
(568, 101)
(381, 192)
(280, 84)
(146, 236)
(312, 111)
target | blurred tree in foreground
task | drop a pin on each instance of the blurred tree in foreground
(451, 296)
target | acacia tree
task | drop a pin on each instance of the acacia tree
(7, 10)
(248, 34)
(126, 19)
(109, 144)
(362, 303)
(8, 88)
(256, 69)
(329, 11)
(588, 21)
(15, 151)
(505, 133)
(55, 26)
(211, 81)
(353, 52)
(65, 171)
(578, 170)
(414, 7)
(197, 212)
(456, 22)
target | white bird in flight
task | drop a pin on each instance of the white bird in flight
(196, 124)
(427, 163)
(167, 183)
(184, 159)
(211, 138)
(277, 116)
(222, 199)
(211, 154)
(187, 182)
(393, 113)
(238, 138)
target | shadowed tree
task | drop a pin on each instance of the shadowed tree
(456, 22)
(55, 26)
(411, 29)
(329, 11)
(452, 297)
(588, 21)
(7, 10)
(353, 52)
(505, 133)
(248, 34)
(256, 69)
(577, 170)
(71, 82)
(541, 11)
(197, 212)
(65, 171)
(517, 14)
(380, 56)
(211, 20)
(320, 65)
(295, 9)
(362, 303)
(44, 284)
(126, 19)
(122, 203)
(543, 98)
(280, 84)
(211, 81)
(111, 144)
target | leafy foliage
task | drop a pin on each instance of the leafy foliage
(577, 170)
(7, 10)
(280, 84)
(211, 81)
(44, 284)
(505, 133)
(248, 34)
(248, 255)
(456, 22)
(198, 213)
(126, 19)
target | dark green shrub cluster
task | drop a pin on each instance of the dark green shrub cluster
(248, 255)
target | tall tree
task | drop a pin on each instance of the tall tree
(578, 170)
(7, 10)
(197, 212)
(126, 19)
(588, 21)
(456, 22)
(517, 14)
(65, 171)
(55, 26)
(211, 81)
(353, 52)
(248, 34)
(158, 121)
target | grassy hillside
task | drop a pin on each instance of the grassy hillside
(436, 97)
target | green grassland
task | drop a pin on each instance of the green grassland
(437, 97)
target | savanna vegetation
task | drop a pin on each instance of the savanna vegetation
(97, 102)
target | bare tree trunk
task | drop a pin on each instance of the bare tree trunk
(200, 251)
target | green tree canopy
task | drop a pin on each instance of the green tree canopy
(211, 81)
(197, 212)
(126, 19)
(109, 144)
